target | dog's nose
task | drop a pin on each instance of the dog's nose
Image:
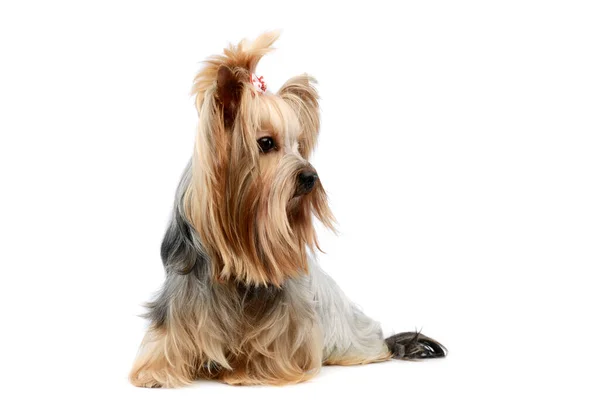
(306, 181)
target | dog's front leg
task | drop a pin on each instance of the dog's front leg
(349, 336)
(352, 338)
(183, 343)
(161, 362)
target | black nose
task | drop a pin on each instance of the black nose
(306, 181)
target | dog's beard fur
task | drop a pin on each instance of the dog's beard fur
(243, 203)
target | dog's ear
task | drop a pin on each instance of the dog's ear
(301, 94)
(236, 63)
(229, 93)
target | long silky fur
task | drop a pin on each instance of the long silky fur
(244, 301)
(243, 215)
(202, 328)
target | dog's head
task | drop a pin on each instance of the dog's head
(253, 192)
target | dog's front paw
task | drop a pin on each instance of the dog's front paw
(414, 345)
(144, 380)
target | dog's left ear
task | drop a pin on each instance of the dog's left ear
(301, 94)
(229, 93)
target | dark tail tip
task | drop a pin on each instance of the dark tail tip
(414, 345)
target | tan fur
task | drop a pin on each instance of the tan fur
(246, 339)
(357, 360)
(233, 321)
(279, 362)
(239, 201)
(162, 363)
(299, 92)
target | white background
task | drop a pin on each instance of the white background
(460, 149)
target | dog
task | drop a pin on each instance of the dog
(244, 301)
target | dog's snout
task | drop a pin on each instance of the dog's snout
(306, 181)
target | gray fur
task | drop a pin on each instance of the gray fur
(347, 333)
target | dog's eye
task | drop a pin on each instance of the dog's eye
(266, 144)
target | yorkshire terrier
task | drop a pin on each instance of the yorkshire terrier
(244, 301)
